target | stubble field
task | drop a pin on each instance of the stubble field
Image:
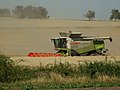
(18, 37)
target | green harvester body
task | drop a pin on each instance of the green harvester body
(74, 44)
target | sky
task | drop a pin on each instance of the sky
(68, 9)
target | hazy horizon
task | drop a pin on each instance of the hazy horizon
(68, 9)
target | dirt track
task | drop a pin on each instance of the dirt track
(18, 37)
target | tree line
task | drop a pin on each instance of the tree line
(31, 12)
(5, 13)
(28, 12)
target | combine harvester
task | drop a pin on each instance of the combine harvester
(74, 44)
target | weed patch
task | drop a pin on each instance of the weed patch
(58, 75)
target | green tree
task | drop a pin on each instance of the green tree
(19, 12)
(1, 12)
(31, 12)
(44, 13)
(41, 13)
(5, 13)
(90, 15)
(115, 14)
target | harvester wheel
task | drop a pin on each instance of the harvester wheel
(93, 53)
(73, 53)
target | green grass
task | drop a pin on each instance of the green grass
(58, 75)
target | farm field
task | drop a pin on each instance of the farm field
(18, 37)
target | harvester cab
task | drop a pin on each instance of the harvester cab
(74, 44)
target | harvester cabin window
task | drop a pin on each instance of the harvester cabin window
(62, 43)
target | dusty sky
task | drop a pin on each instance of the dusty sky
(68, 9)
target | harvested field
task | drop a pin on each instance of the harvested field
(37, 61)
(18, 37)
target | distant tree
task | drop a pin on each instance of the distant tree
(30, 12)
(115, 14)
(44, 13)
(90, 15)
(1, 12)
(5, 13)
(48, 16)
(39, 13)
(19, 12)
